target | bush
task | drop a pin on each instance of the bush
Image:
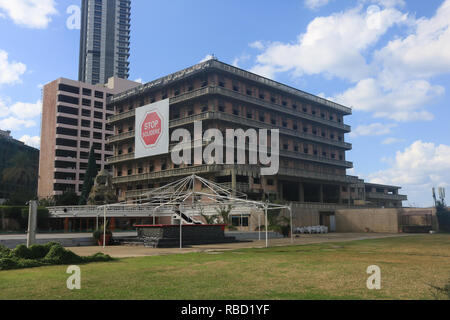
(22, 252)
(98, 257)
(98, 234)
(43, 255)
(59, 255)
(8, 264)
(38, 251)
(4, 252)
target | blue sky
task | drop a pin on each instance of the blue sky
(387, 59)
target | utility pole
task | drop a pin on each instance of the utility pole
(32, 222)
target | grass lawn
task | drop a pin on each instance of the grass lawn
(323, 271)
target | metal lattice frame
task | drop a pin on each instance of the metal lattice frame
(181, 196)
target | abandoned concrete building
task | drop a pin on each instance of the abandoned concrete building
(313, 164)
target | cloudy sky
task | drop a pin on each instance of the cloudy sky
(387, 59)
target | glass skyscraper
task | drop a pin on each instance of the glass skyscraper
(104, 40)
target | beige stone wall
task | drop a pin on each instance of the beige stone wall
(368, 220)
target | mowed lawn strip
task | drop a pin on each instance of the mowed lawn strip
(321, 271)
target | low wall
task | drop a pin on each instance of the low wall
(368, 220)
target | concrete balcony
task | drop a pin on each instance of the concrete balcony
(283, 153)
(244, 122)
(215, 90)
(385, 196)
(252, 170)
(120, 158)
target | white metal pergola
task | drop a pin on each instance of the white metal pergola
(194, 195)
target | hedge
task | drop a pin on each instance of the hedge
(43, 255)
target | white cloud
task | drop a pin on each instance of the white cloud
(389, 3)
(30, 13)
(15, 124)
(207, 57)
(333, 46)
(257, 45)
(404, 102)
(23, 110)
(418, 168)
(31, 141)
(315, 4)
(424, 53)
(402, 90)
(374, 129)
(10, 72)
(392, 140)
(242, 58)
(139, 80)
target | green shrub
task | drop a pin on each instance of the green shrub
(98, 257)
(8, 264)
(4, 251)
(59, 255)
(39, 251)
(22, 252)
(43, 255)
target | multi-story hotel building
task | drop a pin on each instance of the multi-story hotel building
(104, 40)
(74, 120)
(312, 130)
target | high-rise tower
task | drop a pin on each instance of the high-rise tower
(104, 40)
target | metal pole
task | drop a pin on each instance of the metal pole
(32, 213)
(292, 227)
(259, 226)
(104, 227)
(181, 233)
(267, 233)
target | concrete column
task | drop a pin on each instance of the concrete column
(233, 181)
(321, 193)
(32, 224)
(280, 190)
(340, 194)
(301, 190)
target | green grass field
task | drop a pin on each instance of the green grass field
(324, 271)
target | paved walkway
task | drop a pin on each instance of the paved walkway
(130, 251)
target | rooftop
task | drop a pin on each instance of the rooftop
(218, 65)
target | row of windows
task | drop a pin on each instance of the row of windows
(261, 116)
(236, 86)
(85, 102)
(76, 90)
(84, 123)
(84, 155)
(165, 164)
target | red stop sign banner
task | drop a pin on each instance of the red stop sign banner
(151, 129)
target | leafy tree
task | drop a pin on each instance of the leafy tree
(21, 172)
(91, 173)
(67, 199)
(224, 213)
(443, 216)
